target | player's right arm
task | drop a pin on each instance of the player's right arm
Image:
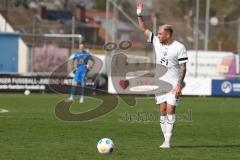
(141, 22)
(73, 61)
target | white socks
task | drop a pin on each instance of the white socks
(81, 99)
(163, 122)
(167, 124)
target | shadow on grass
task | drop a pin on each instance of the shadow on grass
(209, 146)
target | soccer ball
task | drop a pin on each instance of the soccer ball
(105, 146)
(27, 92)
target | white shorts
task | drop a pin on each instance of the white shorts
(169, 97)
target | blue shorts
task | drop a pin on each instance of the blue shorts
(80, 76)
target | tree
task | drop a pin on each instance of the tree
(222, 41)
(100, 5)
(21, 3)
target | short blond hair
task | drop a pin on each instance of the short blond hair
(168, 28)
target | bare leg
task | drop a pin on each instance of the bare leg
(73, 90)
(81, 100)
(163, 109)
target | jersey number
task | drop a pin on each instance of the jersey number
(80, 61)
(164, 61)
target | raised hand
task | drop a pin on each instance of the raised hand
(139, 8)
(141, 23)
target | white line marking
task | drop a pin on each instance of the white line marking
(3, 110)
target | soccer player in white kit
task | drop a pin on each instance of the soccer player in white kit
(173, 55)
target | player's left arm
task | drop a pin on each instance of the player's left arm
(182, 60)
(92, 62)
(182, 73)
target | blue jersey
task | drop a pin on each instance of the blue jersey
(82, 58)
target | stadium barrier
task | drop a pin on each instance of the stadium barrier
(36, 83)
(225, 88)
(50, 84)
(197, 86)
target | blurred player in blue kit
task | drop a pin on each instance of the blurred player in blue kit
(81, 64)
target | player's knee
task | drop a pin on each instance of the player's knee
(163, 119)
(171, 109)
(171, 118)
(74, 83)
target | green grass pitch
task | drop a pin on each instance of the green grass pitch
(207, 128)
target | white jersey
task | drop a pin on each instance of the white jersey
(170, 56)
